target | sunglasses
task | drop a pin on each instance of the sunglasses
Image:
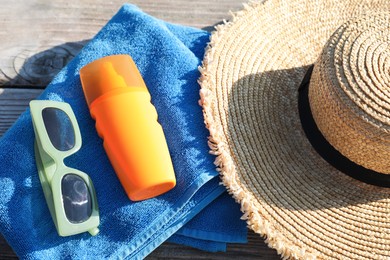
(69, 193)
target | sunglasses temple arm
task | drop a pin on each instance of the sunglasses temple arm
(94, 231)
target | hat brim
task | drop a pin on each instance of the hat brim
(249, 93)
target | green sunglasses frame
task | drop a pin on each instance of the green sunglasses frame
(52, 169)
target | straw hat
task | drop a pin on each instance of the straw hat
(307, 153)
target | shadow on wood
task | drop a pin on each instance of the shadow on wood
(27, 69)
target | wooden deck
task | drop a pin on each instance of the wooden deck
(38, 38)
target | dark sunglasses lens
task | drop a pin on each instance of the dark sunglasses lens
(59, 128)
(76, 198)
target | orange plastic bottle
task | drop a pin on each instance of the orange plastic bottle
(134, 141)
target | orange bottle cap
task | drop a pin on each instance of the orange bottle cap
(109, 73)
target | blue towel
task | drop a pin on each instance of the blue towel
(214, 227)
(167, 56)
(227, 228)
(210, 246)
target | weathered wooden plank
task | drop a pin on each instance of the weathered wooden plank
(38, 37)
(6, 252)
(12, 103)
(254, 249)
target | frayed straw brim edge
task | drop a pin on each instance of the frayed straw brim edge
(224, 162)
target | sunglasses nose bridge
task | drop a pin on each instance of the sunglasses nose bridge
(50, 165)
(54, 162)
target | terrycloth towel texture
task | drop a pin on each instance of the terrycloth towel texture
(167, 56)
(226, 228)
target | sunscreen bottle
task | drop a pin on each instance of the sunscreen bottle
(134, 141)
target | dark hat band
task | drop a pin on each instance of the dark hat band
(325, 149)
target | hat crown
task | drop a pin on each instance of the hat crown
(349, 92)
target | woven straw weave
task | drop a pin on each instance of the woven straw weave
(252, 69)
(350, 91)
